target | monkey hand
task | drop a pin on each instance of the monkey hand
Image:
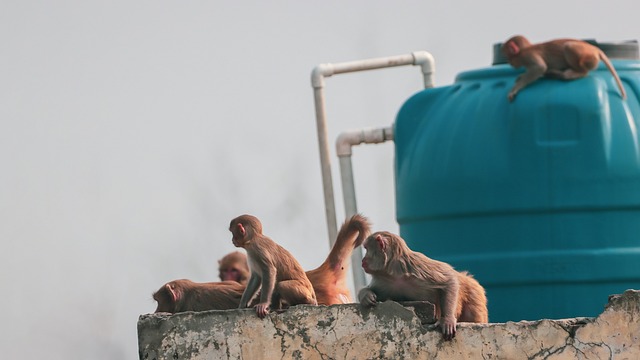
(262, 310)
(448, 327)
(367, 297)
(512, 95)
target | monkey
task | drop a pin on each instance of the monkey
(329, 280)
(273, 269)
(185, 295)
(565, 59)
(234, 267)
(400, 274)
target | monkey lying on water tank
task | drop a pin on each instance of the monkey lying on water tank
(565, 59)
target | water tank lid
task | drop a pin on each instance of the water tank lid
(626, 50)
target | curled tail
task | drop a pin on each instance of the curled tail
(329, 279)
(613, 71)
(347, 239)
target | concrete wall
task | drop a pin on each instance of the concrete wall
(389, 331)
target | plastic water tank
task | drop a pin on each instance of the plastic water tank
(538, 198)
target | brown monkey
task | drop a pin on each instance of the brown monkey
(234, 267)
(273, 268)
(185, 295)
(565, 59)
(400, 274)
(329, 280)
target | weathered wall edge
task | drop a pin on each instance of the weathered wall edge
(387, 331)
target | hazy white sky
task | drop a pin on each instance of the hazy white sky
(131, 132)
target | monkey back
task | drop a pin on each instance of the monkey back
(539, 198)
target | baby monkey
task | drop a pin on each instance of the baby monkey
(565, 59)
(273, 269)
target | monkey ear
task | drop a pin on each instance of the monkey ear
(381, 242)
(241, 229)
(512, 48)
(172, 293)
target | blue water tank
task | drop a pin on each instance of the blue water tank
(539, 198)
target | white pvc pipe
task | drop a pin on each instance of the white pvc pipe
(345, 141)
(348, 139)
(325, 165)
(421, 58)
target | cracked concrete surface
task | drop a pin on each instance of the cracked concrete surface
(389, 331)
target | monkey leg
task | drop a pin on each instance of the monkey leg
(554, 74)
(294, 292)
(276, 300)
(474, 313)
(580, 57)
(568, 74)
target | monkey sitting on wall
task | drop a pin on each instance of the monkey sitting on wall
(565, 59)
(400, 274)
(234, 267)
(273, 269)
(185, 295)
(329, 280)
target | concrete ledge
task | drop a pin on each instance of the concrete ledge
(389, 331)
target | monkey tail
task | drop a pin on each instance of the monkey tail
(613, 71)
(357, 223)
(347, 240)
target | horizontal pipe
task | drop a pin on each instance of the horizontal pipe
(348, 139)
(422, 58)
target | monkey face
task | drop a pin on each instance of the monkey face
(235, 241)
(238, 234)
(233, 267)
(230, 274)
(244, 228)
(375, 257)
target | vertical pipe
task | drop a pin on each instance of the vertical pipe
(325, 164)
(351, 208)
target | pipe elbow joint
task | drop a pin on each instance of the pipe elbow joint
(319, 73)
(428, 64)
(425, 60)
(348, 139)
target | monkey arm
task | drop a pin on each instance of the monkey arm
(448, 298)
(252, 287)
(367, 297)
(535, 69)
(268, 284)
(525, 79)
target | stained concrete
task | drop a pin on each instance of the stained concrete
(389, 331)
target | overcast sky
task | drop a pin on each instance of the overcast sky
(131, 132)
